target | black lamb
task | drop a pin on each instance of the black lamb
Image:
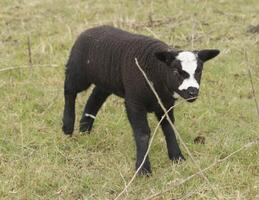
(105, 56)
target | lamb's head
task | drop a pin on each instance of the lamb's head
(184, 70)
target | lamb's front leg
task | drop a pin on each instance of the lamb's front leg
(174, 151)
(138, 120)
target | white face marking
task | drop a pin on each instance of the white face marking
(189, 64)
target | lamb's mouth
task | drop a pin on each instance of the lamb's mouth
(191, 99)
(185, 96)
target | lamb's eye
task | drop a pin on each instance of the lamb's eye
(180, 73)
(176, 72)
(183, 74)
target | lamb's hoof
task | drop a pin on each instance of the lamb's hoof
(178, 158)
(86, 126)
(68, 125)
(68, 130)
(145, 172)
(145, 169)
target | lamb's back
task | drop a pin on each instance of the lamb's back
(108, 56)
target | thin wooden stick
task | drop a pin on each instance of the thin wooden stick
(191, 193)
(253, 90)
(255, 141)
(154, 34)
(193, 33)
(145, 156)
(175, 130)
(29, 51)
(251, 81)
(26, 66)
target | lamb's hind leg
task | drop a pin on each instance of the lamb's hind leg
(69, 113)
(70, 93)
(94, 103)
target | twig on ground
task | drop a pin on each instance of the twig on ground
(25, 66)
(152, 32)
(252, 83)
(29, 51)
(175, 130)
(145, 156)
(253, 90)
(191, 193)
(255, 141)
(125, 183)
(193, 33)
(151, 22)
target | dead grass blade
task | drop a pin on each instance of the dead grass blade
(26, 66)
(251, 81)
(146, 154)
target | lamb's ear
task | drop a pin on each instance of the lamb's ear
(166, 56)
(208, 54)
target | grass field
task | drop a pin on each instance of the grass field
(38, 162)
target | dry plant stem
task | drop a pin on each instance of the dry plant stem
(255, 141)
(145, 156)
(149, 147)
(191, 193)
(192, 36)
(125, 183)
(251, 81)
(177, 133)
(29, 51)
(22, 67)
(154, 34)
(253, 89)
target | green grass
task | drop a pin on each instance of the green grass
(38, 162)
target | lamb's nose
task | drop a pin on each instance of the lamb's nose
(193, 92)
